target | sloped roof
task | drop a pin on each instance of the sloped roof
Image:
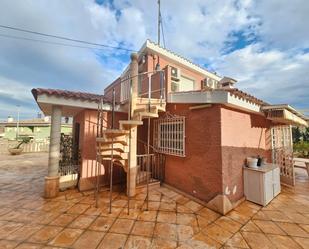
(178, 58)
(67, 94)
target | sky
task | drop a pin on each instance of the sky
(263, 44)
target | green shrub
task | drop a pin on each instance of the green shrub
(22, 140)
(301, 149)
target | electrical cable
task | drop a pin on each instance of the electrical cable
(47, 42)
(65, 38)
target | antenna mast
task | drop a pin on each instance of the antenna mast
(159, 20)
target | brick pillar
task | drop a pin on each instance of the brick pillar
(133, 141)
(52, 180)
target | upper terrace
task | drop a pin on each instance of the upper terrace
(168, 76)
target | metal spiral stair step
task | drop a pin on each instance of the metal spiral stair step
(128, 124)
(115, 132)
(142, 115)
(107, 141)
(116, 147)
(115, 154)
(144, 106)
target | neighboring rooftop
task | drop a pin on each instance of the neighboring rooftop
(30, 122)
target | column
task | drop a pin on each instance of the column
(133, 141)
(52, 180)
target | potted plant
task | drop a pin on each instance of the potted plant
(17, 150)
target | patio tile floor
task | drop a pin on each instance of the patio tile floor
(27, 220)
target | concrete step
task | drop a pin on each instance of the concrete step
(116, 154)
(109, 133)
(160, 107)
(129, 124)
(116, 147)
(142, 115)
(106, 141)
(142, 176)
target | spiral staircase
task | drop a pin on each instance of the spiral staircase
(113, 144)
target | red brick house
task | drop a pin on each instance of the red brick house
(202, 127)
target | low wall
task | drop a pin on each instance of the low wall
(30, 147)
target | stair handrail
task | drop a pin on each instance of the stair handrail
(112, 154)
(151, 146)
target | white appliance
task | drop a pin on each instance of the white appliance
(262, 184)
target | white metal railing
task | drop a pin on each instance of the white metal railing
(41, 146)
(36, 147)
(146, 86)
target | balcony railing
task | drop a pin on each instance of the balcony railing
(150, 85)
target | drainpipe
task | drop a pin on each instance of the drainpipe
(52, 180)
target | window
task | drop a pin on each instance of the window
(169, 135)
(184, 84)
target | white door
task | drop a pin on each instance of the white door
(282, 153)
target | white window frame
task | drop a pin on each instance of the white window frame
(169, 135)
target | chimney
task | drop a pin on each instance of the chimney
(10, 119)
(227, 83)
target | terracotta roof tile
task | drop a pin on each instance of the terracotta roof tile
(67, 94)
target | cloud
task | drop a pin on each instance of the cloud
(282, 23)
(263, 44)
(276, 76)
(33, 64)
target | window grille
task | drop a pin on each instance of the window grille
(169, 135)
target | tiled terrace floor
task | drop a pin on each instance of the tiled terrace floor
(173, 221)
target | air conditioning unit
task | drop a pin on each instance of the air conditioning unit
(175, 73)
(209, 83)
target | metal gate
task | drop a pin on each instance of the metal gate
(156, 170)
(69, 164)
(282, 152)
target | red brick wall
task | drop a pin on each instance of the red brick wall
(108, 91)
(199, 173)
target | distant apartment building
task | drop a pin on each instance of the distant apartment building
(38, 129)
